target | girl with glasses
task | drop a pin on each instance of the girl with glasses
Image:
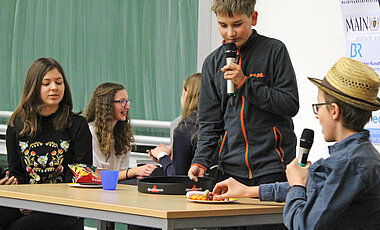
(112, 136)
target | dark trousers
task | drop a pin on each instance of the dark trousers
(13, 219)
(271, 178)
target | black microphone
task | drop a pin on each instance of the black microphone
(230, 53)
(306, 142)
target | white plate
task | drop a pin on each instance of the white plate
(190, 193)
(214, 201)
(85, 185)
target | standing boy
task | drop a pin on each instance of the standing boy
(342, 191)
(258, 137)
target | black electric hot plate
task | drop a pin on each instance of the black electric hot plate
(174, 185)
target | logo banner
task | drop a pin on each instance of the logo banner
(361, 21)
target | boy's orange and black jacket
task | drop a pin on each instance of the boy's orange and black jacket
(258, 133)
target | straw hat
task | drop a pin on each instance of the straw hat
(352, 82)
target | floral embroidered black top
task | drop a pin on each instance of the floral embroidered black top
(45, 157)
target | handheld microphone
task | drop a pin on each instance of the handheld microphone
(230, 53)
(306, 142)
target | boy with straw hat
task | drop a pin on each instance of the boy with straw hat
(342, 191)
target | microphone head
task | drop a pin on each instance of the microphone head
(230, 50)
(307, 138)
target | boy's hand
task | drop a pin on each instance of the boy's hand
(296, 174)
(233, 72)
(232, 188)
(195, 171)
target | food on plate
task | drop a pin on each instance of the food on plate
(84, 174)
(206, 195)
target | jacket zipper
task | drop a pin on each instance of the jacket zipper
(277, 143)
(243, 130)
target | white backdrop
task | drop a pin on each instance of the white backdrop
(312, 30)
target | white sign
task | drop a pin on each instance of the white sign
(362, 30)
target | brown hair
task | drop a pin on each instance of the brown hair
(31, 103)
(231, 7)
(192, 86)
(100, 111)
(353, 118)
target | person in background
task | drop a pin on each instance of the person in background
(342, 191)
(110, 125)
(176, 159)
(43, 136)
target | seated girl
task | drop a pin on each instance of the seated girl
(176, 159)
(42, 138)
(112, 136)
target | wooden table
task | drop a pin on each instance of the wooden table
(127, 205)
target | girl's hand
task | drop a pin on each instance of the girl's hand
(7, 181)
(143, 171)
(152, 156)
(153, 153)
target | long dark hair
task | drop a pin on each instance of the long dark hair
(31, 103)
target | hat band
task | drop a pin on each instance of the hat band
(326, 84)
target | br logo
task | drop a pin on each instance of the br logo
(356, 49)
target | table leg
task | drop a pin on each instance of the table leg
(105, 225)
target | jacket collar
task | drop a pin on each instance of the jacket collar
(354, 139)
(251, 40)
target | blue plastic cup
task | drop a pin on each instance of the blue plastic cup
(109, 179)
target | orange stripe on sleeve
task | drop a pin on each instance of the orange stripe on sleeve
(242, 82)
(203, 167)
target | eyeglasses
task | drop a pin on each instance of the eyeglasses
(316, 106)
(124, 102)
